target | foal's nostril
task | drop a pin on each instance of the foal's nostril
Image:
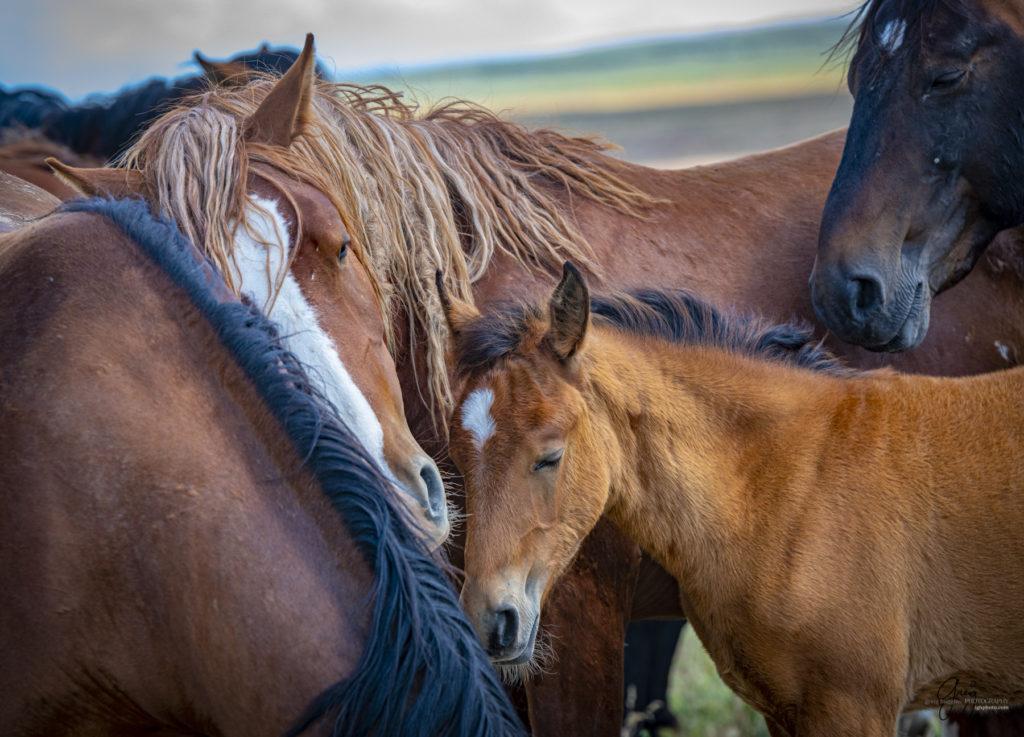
(505, 630)
(437, 509)
(867, 294)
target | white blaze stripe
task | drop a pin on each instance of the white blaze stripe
(892, 35)
(300, 330)
(476, 415)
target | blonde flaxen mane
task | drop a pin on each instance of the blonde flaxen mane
(445, 189)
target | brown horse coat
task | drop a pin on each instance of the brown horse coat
(147, 495)
(846, 545)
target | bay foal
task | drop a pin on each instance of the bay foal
(847, 544)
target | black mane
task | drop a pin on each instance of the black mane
(423, 672)
(671, 314)
(682, 317)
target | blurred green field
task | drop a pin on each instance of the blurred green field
(704, 706)
(666, 102)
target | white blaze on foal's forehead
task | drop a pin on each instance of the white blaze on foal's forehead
(891, 37)
(476, 415)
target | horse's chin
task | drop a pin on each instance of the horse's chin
(540, 659)
(525, 653)
(914, 328)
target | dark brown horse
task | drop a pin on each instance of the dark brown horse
(24, 155)
(931, 168)
(192, 541)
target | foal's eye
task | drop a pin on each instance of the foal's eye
(343, 252)
(947, 80)
(550, 460)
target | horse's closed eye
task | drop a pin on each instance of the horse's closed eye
(344, 248)
(947, 80)
(550, 460)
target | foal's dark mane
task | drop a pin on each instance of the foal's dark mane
(675, 315)
(423, 671)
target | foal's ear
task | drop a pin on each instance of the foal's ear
(118, 183)
(570, 313)
(287, 107)
(457, 312)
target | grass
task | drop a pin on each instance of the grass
(703, 704)
(774, 62)
(705, 707)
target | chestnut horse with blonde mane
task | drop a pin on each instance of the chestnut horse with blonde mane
(193, 542)
(277, 236)
(498, 208)
(847, 544)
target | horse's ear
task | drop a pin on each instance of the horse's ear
(457, 313)
(287, 107)
(221, 72)
(569, 313)
(118, 183)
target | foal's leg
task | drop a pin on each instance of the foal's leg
(775, 729)
(844, 714)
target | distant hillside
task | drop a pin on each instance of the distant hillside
(771, 62)
(666, 101)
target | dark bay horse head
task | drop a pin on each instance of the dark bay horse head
(931, 168)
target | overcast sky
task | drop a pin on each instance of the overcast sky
(83, 46)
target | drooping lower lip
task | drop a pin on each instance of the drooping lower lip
(898, 342)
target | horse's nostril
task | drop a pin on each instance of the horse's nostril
(867, 294)
(506, 628)
(431, 477)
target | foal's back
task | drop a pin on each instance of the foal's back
(157, 534)
(960, 511)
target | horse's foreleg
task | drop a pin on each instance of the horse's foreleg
(845, 714)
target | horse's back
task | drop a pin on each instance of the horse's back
(22, 201)
(140, 478)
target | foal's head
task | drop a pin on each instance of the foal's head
(522, 434)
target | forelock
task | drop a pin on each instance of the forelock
(500, 333)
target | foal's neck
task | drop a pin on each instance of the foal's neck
(712, 453)
(702, 438)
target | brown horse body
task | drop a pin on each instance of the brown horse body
(196, 540)
(147, 496)
(24, 156)
(740, 233)
(193, 542)
(846, 545)
(22, 201)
